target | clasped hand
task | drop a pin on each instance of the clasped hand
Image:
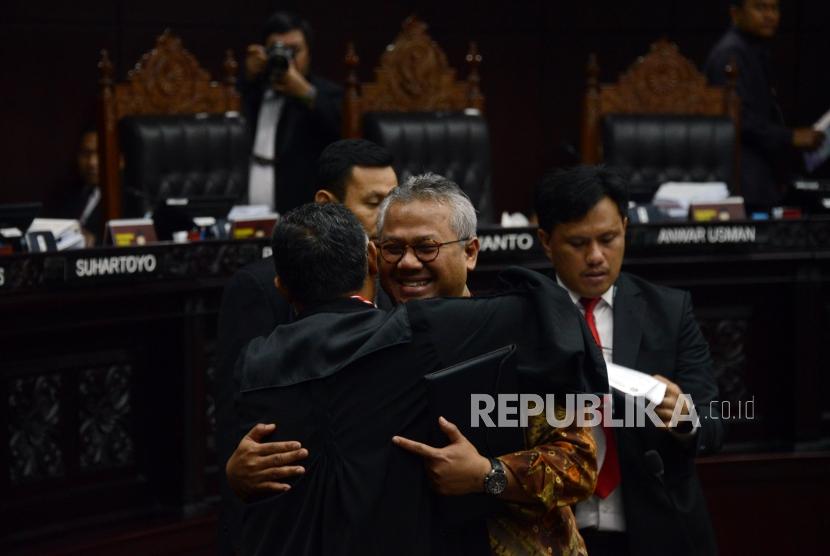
(256, 468)
(455, 469)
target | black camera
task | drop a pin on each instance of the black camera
(279, 58)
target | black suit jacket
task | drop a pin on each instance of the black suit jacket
(655, 332)
(344, 378)
(766, 143)
(302, 134)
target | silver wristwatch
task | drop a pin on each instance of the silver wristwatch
(496, 480)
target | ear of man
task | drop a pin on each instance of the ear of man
(372, 257)
(282, 289)
(323, 196)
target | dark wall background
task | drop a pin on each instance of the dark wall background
(532, 75)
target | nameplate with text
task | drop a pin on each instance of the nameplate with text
(508, 243)
(116, 265)
(707, 235)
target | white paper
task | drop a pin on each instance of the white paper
(514, 220)
(813, 160)
(67, 232)
(248, 212)
(676, 197)
(635, 383)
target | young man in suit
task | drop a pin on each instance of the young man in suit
(648, 499)
(292, 113)
(354, 172)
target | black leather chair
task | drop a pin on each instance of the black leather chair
(661, 121)
(652, 149)
(182, 156)
(165, 149)
(418, 109)
(453, 144)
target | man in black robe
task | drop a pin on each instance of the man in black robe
(345, 377)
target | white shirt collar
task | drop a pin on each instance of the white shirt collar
(607, 297)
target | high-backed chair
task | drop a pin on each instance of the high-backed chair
(177, 132)
(662, 122)
(427, 118)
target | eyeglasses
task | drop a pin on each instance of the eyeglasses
(426, 252)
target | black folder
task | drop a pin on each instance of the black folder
(449, 393)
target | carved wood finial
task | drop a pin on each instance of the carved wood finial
(352, 60)
(105, 69)
(230, 67)
(474, 97)
(413, 25)
(592, 71)
(351, 96)
(590, 113)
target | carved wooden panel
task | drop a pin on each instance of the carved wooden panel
(35, 428)
(105, 407)
(414, 75)
(168, 80)
(727, 340)
(663, 81)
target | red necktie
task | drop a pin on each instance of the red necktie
(609, 475)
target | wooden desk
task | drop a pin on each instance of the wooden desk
(108, 357)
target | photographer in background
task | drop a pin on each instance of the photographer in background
(292, 114)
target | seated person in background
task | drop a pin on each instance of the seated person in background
(292, 113)
(82, 202)
(648, 500)
(766, 143)
(354, 172)
(554, 473)
(345, 377)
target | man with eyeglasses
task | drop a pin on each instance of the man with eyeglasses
(427, 239)
(427, 244)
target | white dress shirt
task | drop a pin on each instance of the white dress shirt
(261, 180)
(603, 514)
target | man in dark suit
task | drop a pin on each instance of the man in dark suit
(648, 499)
(766, 142)
(354, 172)
(82, 202)
(345, 377)
(292, 113)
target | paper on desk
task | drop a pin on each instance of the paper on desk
(246, 212)
(813, 160)
(675, 197)
(634, 383)
(67, 232)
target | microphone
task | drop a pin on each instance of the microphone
(654, 464)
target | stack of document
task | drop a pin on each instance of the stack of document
(67, 233)
(675, 197)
